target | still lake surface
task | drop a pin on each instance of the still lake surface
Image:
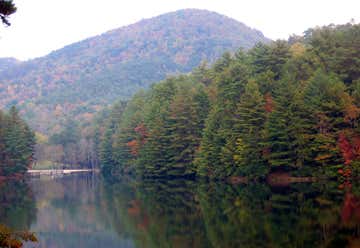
(84, 211)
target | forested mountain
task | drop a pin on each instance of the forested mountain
(81, 78)
(288, 107)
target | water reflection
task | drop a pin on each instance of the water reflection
(159, 213)
(17, 212)
(301, 215)
(84, 211)
(71, 213)
(17, 204)
(188, 214)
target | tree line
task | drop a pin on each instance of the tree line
(288, 106)
(17, 142)
(72, 145)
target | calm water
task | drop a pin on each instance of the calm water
(83, 211)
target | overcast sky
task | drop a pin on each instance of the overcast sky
(41, 26)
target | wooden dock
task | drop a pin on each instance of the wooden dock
(55, 172)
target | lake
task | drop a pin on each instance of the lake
(83, 210)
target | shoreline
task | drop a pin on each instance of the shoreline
(60, 171)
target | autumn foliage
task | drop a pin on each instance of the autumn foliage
(269, 104)
(134, 147)
(15, 239)
(351, 208)
(287, 106)
(135, 144)
(350, 151)
(142, 132)
(346, 149)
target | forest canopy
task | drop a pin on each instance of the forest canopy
(289, 106)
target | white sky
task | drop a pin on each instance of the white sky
(40, 26)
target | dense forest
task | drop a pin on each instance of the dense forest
(67, 88)
(287, 107)
(17, 142)
(270, 132)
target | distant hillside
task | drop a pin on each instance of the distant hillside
(81, 78)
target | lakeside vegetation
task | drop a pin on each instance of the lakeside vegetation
(289, 106)
(66, 89)
(266, 128)
(17, 142)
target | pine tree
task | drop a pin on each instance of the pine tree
(17, 142)
(215, 157)
(277, 133)
(106, 144)
(187, 115)
(154, 156)
(324, 97)
(249, 124)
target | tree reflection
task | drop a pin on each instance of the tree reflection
(182, 213)
(159, 213)
(17, 212)
(300, 215)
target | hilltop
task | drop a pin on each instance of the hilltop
(83, 77)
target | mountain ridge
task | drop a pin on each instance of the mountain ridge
(84, 76)
(145, 20)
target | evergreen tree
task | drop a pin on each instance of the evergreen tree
(324, 96)
(17, 143)
(277, 129)
(285, 106)
(187, 115)
(249, 124)
(106, 144)
(125, 134)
